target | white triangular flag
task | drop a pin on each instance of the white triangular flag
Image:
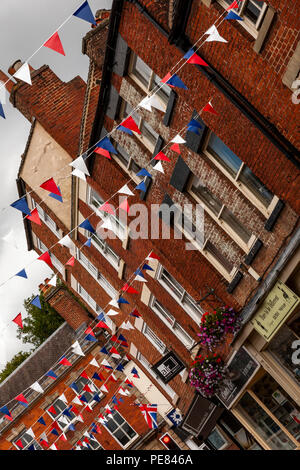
(114, 303)
(23, 73)
(127, 392)
(79, 418)
(116, 356)
(86, 434)
(122, 392)
(125, 190)
(146, 104)
(129, 325)
(67, 242)
(79, 164)
(159, 167)
(63, 419)
(104, 389)
(52, 282)
(178, 140)
(107, 224)
(152, 101)
(94, 363)
(77, 401)
(140, 279)
(214, 35)
(62, 397)
(44, 437)
(30, 432)
(77, 350)
(36, 387)
(79, 174)
(124, 326)
(92, 387)
(112, 312)
(53, 447)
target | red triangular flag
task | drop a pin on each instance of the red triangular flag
(124, 205)
(55, 44)
(19, 444)
(175, 148)
(129, 289)
(71, 261)
(135, 313)
(50, 186)
(52, 410)
(46, 258)
(34, 217)
(166, 78)
(102, 324)
(75, 410)
(84, 374)
(195, 59)
(86, 388)
(208, 107)
(129, 123)
(88, 408)
(107, 208)
(114, 351)
(112, 378)
(103, 152)
(63, 437)
(21, 398)
(89, 331)
(64, 361)
(18, 320)
(233, 5)
(153, 256)
(162, 156)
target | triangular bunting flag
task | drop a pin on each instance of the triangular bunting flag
(22, 274)
(50, 186)
(175, 148)
(34, 217)
(55, 44)
(67, 242)
(94, 363)
(23, 73)
(21, 205)
(85, 13)
(129, 289)
(57, 196)
(36, 387)
(51, 374)
(18, 320)
(86, 224)
(107, 145)
(36, 302)
(79, 164)
(214, 35)
(46, 258)
(79, 174)
(21, 399)
(141, 187)
(152, 256)
(233, 5)
(64, 361)
(129, 123)
(2, 111)
(125, 190)
(124, 206)
(178, 140)
(174, 81)
(71, 261)
(233, 16)
(208, 107)
(161, 156)
(158, 167)
(107, 208)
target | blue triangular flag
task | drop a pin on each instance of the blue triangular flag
(87, 225)
(90, 338)
(74, 387)
(31, 447)
(176, 81)
(122, 338)
(194, 123)
(146, 267)
(22, 274)
(83, 398)
(139, 272)
(121, 300)
(141, 186)
(189, 54)
(67, 413)
(96, 376)
(193, 129)
(120, 367)
(2, 111)
(71, 427)
(56, 196)
(107, 145)
(36, 302)
(135, 372)
(104, 350)
(55, 432)
(101, 317)
(88, 242)
(5, 410)
(114, 400)
(42, 421)
(52, 374)
(97, 398)
(21, 205)
(233, 16)
(85, 13)
(144, 172)
(121, 400)
(124, 129)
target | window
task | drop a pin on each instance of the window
(239, 173)
(60, 406)
(220, 213)
(179, 294)
(120, 429)
(96, 274)
(89, 300)
(217, 440)
(105, 250)
(46, 218)
(147, 79)
(171, 323)
(56, 263)
(148, 136)
(153, 338)
(149, 369)
(81, 382)
(252, 12)
(95, 200)
(93, 444)
(127, 162)
(27, 440)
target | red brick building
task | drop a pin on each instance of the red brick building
(241, 167)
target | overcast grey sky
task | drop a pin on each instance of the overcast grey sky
(24, 26)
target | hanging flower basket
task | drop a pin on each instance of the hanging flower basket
(207, 373)
(214, 326)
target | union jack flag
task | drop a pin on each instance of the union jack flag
(150, 414)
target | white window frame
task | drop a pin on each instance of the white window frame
(139, 121)
(173, 325)
(196, 314)
(266, 211)
(246, 246)
(96, 308)
(109, 416)
(127, 168)
(153, 338)
(172, 394)
(55, 418)
(107, 252)
(55, 261)
(25, 447)
(252, 28)
(148, 88)
(46, 218)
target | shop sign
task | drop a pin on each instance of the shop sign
(168, 367)
(274, 311)
(241, 368)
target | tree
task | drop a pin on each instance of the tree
(13, 364)
(39, 324)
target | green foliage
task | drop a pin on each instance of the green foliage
(39, 323)
(13, 364)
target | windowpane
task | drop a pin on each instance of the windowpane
(149, 133)
(164, 91)
(128, 429)
(252, 10)
(142, 71)
(219, 256)
(256, 186)
(226, 157)
(112, 426)
(121, 436)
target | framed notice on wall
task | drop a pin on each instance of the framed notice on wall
(168, 367)
(241, 368)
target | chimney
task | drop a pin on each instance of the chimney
(9, 84)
